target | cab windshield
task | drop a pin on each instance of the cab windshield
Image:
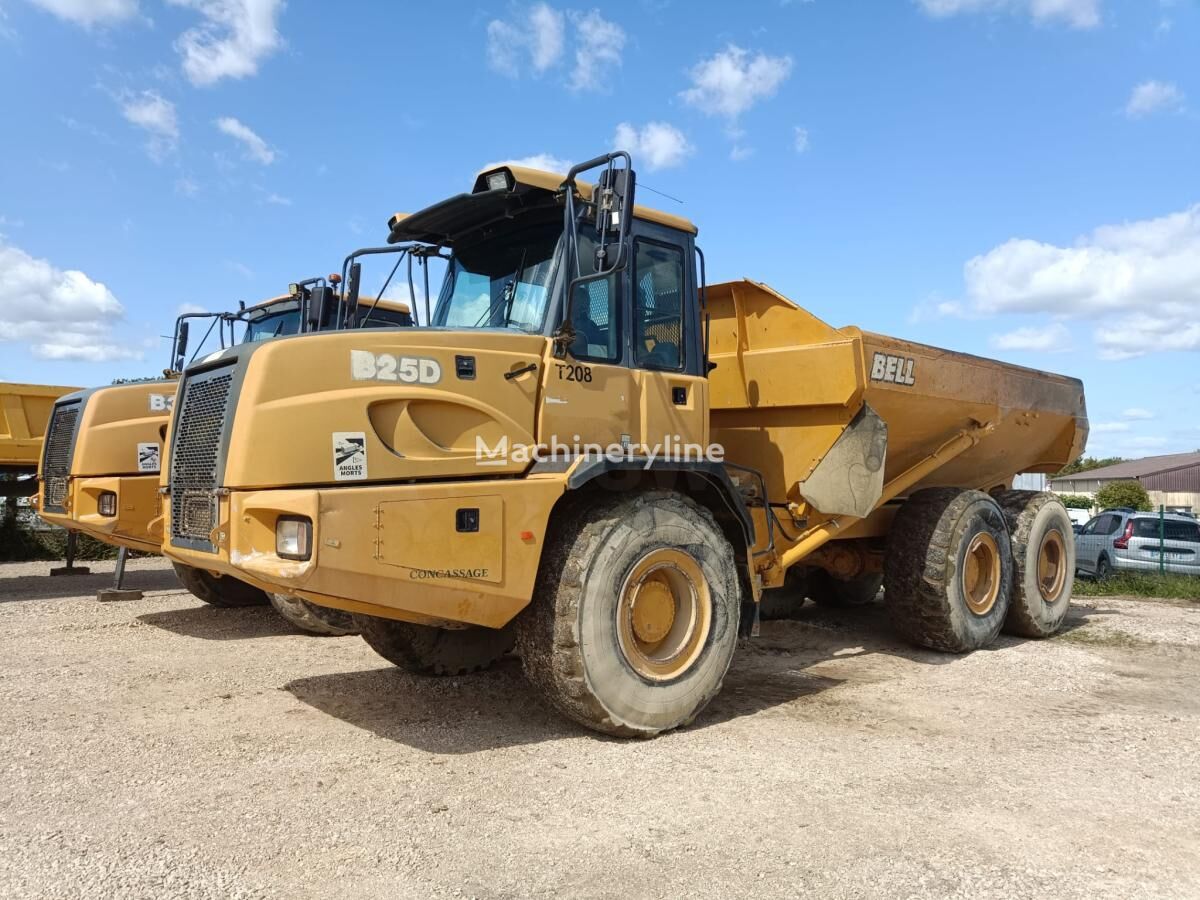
(501, 281)
(275, 321)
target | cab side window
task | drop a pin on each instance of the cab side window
(595, 310)
(658, 287)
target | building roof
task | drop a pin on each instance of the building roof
(1136, 468)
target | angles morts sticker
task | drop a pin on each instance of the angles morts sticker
(148, 457)
(349, 456)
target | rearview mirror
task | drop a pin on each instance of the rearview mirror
(181, 342)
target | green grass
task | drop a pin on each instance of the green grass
(1137, 584)
(1103, 637)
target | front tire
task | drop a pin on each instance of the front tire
(948, 570)
(313, 619)
(635, 616)
(426, 650)
(826, 590)
(222, 591)
(1043, 545)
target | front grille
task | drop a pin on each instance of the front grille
(195, 456)
(56, 455)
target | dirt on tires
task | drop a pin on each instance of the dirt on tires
(166, 748)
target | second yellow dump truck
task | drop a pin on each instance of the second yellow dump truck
(100, 465)
(597, 456)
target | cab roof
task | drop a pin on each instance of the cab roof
(531, 189)
(392, 305)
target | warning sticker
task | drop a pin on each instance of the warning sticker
(148, 457)
(349, 456)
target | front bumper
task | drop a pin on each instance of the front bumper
(396, 551)
(137, 509)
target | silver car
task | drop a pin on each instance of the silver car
(1120, 540)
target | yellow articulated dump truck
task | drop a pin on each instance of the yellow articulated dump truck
(101, 462)
(596, 457)
(24, 414)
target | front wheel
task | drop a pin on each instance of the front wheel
(313, 619)
(839, 593)
(426, 650)
(635, 616)
(219, 590)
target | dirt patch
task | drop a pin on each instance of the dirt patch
(164, 748)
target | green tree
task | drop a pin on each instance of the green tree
(1087, 463)
(1076, 501)
(1124, 493)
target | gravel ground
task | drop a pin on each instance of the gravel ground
(160, 748)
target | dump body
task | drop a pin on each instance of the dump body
(786, 385)
(842, 423)
(24, 414)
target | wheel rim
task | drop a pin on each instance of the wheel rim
(981, 574)
(664, 614)
(1052, 568)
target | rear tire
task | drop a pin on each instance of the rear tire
(827, 590)
(1043, 546)
(948, 570)
(1103, 569)
(313, 619)
(223, 591)
(426, 650)
(635, 616)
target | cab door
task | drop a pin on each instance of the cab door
(634, 373)
(588, 394)
(666, 350)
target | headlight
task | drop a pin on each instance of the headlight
(497, 181)
(293, 537)
(106, 503)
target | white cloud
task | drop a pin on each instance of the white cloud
(1110, 427)
(740, 152)
(83, 347)
(1052, 339)
(800, 139)
(1075, 13)
(657, 144)
(157, 117)
(540, 35)
(1137, 412)
(189, 308)
(186, 187)
(1140, 279)
(277, 200)
(88, 13)
(256, 148)
(599, 43)
(733, 80)
(235, 37)
(1151, 97)
(62, 314)
(544, 161)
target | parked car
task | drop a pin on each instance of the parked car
(1127, 541)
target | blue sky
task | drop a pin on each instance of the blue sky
(1014, 178)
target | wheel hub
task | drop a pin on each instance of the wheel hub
(1052, 570)
(664, 614)
(981, 574)
(653, 611)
